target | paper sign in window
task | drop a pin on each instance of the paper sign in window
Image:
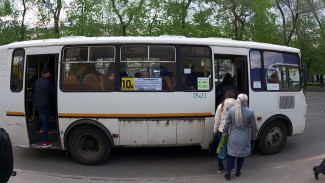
(187, 70)
(203, 83)
(257, 84)
(273, 86)
(150, 84)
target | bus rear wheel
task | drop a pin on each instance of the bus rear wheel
(273, 138)
(88, 145)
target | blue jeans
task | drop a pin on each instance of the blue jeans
(45, 121)
(231, 163)
(220, 161)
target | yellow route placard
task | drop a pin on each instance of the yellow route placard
(127, 84)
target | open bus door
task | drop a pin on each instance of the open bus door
(34, 66)
(234, 65)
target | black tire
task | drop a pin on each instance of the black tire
(88, 145)
(273, 138)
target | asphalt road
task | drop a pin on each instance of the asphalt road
(183, 161)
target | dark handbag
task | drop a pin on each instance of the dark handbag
(213, 145)
(223, 151)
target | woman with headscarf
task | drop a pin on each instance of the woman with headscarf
(242, 128)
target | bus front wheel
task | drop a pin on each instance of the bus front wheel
(88, 145)
(273, 138)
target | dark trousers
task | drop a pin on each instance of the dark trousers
(220, 161)
(231, 163)
(45, 121)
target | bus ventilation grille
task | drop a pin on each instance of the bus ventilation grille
(287, 102)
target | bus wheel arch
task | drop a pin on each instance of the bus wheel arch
(273, 134)
(88, 141)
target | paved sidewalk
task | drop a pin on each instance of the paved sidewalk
(299, 171)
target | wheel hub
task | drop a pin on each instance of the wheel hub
(90, 144)
(274, 137)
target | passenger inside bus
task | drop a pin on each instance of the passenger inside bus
(137, 75)
(86, 69)
(274, 78)
(222, 88)
(188, 83)
(144, 74)
(110, 83)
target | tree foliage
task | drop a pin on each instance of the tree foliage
(297, 23)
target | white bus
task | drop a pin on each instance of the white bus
(174, 105)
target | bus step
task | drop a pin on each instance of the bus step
(38, 144)
(52, 135)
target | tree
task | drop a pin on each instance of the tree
(262, 26)
(84, 18)
(233, 16)
(5, 8)
(10, 27)
(295, 8)
(202, 24)
(175, 17)
(126, 10)
(317, 8)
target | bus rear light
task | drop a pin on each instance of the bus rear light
(259, 118)
(115, 135)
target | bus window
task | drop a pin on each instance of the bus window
(256, 66)
(88, 68)
(281, 71)
(196, 68)
(17, 72)
(148, 68)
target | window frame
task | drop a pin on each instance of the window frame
(12, 68)
(63, 62)
(211, 79)
(117, 61)
(148, 61)
(263, 71)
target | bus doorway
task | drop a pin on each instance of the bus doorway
(35, 64)
(237, 67)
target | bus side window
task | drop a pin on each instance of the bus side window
(281, 71)
(88, 68)
(17, 70)
(196, 68)
(153, 68)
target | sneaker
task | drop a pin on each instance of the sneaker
(41, 129)
(233, 169)
(46, 144)
(221, 171)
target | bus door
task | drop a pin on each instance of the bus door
(234, 65)
(34, 66)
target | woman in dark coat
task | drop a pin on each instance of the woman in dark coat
(241, 124)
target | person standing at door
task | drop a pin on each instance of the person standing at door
(222, 88)
(220, 120)
(241, 127)
(43, 93)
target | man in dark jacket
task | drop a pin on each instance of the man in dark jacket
(223, 87)
(43, 91)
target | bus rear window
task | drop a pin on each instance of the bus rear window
(17, 70)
